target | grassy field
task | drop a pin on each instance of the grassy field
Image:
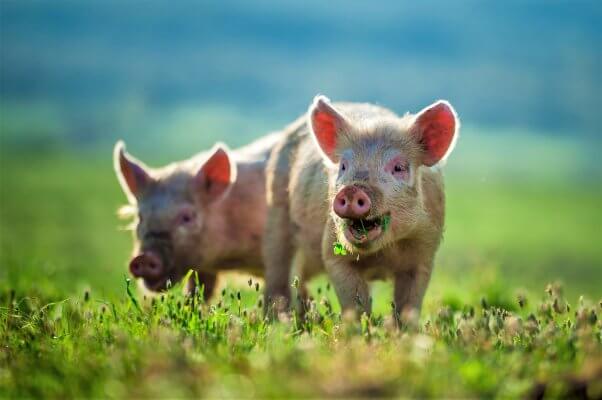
(491, 325)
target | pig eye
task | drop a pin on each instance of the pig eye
(343, 165)
(185, 218)
(399, 168)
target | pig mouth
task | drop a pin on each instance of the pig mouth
(159, 284)
(156, 285)
(365, 230)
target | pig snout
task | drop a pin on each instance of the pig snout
(351, 202)
(147, 265)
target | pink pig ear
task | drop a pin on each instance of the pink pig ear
(131, 173)
(326, 124)
(217, 173)
(437, 130)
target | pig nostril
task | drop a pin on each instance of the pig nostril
(343, 202)
(360, 202)
(136, 268)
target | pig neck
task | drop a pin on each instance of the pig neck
(236, 222)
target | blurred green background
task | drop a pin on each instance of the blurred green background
(524, 185)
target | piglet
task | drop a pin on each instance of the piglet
(206, 213)
(357, 190)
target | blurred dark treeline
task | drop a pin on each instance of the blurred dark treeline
(87, 72)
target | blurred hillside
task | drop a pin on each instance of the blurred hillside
(163, 74)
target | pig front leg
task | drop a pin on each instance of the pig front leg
(277, 254)
(208, 281)
(350, 287)
(410, 287)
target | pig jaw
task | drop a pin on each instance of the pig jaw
(174, 274)
(365, 235)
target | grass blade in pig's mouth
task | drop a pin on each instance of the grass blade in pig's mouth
(360, 231)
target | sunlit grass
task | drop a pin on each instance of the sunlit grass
(172, 345)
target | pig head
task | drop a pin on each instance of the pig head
(378, 166)
(359, 176)
(172, 210)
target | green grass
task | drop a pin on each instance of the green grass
(68, 328)
(175, 346)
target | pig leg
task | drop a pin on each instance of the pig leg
(208, 282)
(297, 273)
(304, 270)
(277, 253)
(350, 287)
(410, 286)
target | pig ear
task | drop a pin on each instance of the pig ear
(326, 125)
(437, 130)
(131, 173)
(217, 174)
